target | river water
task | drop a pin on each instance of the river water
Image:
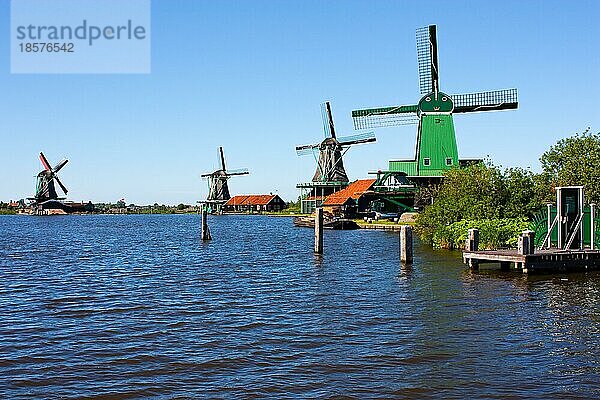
(135, 306)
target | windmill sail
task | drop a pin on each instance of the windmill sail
(327, 118)
(505, 99)
(427, 59)
(359, 138)
(384, 116)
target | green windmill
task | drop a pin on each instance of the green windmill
(436, 150)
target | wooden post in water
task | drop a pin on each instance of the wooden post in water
(592, 225)
(472, 244)
(205, 230)
(406, 244)
(319, 231)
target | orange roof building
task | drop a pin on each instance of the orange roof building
(350, 194)
(255, 202)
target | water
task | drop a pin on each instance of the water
(135, 306)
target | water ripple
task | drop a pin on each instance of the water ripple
(101, 307)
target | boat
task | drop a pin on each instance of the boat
(328, 223)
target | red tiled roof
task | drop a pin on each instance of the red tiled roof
(353, 191)
(251, 200)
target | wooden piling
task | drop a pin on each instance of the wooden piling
(205, 230)
(524, 246)
(319, 231)
(530, 241)
(472, 244)
(406, 244)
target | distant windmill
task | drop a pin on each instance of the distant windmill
(330, 174)
(436, 150)
(45, 189)
(218, 190)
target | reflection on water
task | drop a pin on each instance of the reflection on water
(137, 306)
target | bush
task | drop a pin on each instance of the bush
(493, 233)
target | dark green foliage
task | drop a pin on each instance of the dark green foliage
(493, 233)
(575, 161)
(484, 195)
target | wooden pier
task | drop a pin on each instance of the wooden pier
(541, 261)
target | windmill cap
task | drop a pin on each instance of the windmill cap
(430, 103)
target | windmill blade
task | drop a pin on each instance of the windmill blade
(45, 162)
(239, 171)
(359, 138)
(494, 100)
(64, 189)
(427, 59)
(327, 118)
(306, 149)
(222, 158)
(59, 166)
(384, 116)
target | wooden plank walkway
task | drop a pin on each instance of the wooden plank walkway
(540, 261)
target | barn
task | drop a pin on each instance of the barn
(254, 203)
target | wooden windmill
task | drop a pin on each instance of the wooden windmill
(330, 174)
(436, 150)
(46, 195)
(218, 189)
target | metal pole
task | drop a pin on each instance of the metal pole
(559, 213)
(581, 214)
(549, 205)
(592, 223)
(319, 231)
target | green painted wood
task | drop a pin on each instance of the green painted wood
(436, 143)
(408, 167)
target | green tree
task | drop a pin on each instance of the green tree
(575, 161)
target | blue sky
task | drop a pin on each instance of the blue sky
(250, 75)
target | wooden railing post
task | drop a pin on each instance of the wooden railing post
(472, 243)
(530, 241)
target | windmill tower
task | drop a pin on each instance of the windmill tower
(330, 175)
(45, 190)
(218, 190)
(436, 150)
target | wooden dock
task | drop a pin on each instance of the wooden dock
(541, 261)
(381, 227)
